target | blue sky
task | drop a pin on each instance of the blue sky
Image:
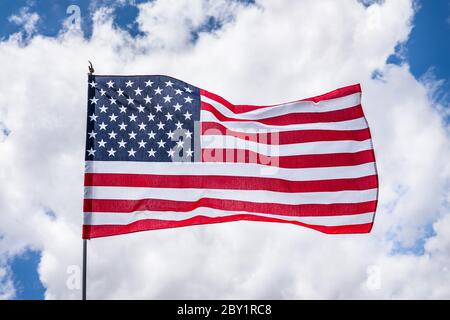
(53, 14)
(428, 49)
(25, 276)
(429, 45)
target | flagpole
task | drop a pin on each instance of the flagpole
(84, 280)
(83, 288)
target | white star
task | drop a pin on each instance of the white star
(132, 118)
(112, 101)
(110, 84)
(169, 83)
(103, 108)
(138, 91)
(187, 89)
(130, 101)
(142, 126)
(111, 152)
(171, 153)
(101, 143)
(103, 126)
(123, 126)
(123, 109)
(113, 117)
(93, 117)
(131, 152)
(167, 98)
(161, 125)
(132, 135)
(179, 125)
(92, 84)
(158, 90)
(188, 134)
(177, 107)
(187, 115)
(92, 134)
(141, 108)
(178, 91)
(120, 92)
(188, 100)
(151, 153)
(94, 100)
(151, 135)
(148, 83)
(122, 144)
(180, 143)
(189, 152)
(169, 116)
(129, 83)
(112, 134)
(151, 117)
(147, 99)
(158, 108)
(91, 152)
(170, 134)
(161, 144)
(142, 144)
(102, 92)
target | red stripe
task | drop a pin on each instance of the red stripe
(338, 93)
(154, 224)
(229, 105)
(228, 182)
(295, 118)
(287, 137)
(297, 210)
(301, 161)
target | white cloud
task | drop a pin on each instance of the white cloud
(169, 24)
(27, 20)
(7, 290)
(270, 52)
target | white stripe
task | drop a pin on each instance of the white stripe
(261, 196)
(257, 127)
(286, 108)
(306, 148)
(106, 218)
(230, 169)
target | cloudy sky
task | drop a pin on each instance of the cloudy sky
(262, 52)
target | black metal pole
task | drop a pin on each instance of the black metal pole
(83, 288)
(84, 269)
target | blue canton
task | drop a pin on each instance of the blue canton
(141, 118)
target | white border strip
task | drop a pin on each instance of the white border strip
(104, 218)
(295, 149)
(230, 169)
(287, 108)
(259, 196)
(257, 127)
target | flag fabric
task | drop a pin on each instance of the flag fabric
(161, 153)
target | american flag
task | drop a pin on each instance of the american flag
(161, 153)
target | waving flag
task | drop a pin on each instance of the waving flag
(161, 153)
